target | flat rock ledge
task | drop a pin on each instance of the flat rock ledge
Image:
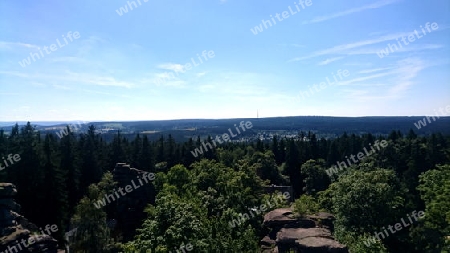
(310, 234)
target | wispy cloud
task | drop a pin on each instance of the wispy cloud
(67, 59)
(401, 77)
(9, 45)
(106, 93)
(15, 73)
(89, 44)
(344, 48)
(98, 80)
(61, 87)
(365, 78)
(407, 70)
(351, 11)
(403, 49)
(366, 71)
(329, 60)
(172, 66)
(170, 79)
(80, 78)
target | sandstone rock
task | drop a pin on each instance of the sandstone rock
(267, 241)
(320, 244)
(129, 208)
(284, 217)
(310, 234)
(279, 217)
(323, 219)
(15, 229)
(290, 235)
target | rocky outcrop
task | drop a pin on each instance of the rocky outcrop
(17, 234)
(128, 211)
(310, 234)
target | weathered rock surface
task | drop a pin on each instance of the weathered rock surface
(15, 229)
(129, 209)
(310, 234)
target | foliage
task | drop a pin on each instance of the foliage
(195, 207)
(435, 191)
(306, 205)
(58, 177)
(92, 231)
(366, 201)
(315, 178)
(358, 243)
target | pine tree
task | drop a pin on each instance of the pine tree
(292, 168)
(69, 164)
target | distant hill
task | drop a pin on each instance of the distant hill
(321, 125)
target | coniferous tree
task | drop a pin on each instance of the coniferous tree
(91, 172)
(55, 196)
(292, 168)
(69, 163)
(146, 156)
(27, 172)
(117, 152)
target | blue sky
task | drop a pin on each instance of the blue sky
(111, 71)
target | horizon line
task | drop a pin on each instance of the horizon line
(175, 119)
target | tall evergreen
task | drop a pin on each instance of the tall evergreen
(69, 163)
(292, 168)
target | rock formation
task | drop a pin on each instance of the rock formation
(310, 234)
(17, 234)
(129, 209)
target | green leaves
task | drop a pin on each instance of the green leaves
(435, 191)
(195, 206)
(92, 231)
(306, 205)
(314, 176)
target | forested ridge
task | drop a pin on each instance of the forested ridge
(58, 181)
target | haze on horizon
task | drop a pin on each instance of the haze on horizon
(110, 65)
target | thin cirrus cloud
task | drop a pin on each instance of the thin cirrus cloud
(366, 71)
(409, 48)
(343, 49)
(74, 77)
(402, 75)
(329, 60)
(9, 45)
(172, 66)
(403, 71)
(351, 11)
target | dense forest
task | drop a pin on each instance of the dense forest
(193, 199)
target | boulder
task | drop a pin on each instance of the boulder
(310, 234)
